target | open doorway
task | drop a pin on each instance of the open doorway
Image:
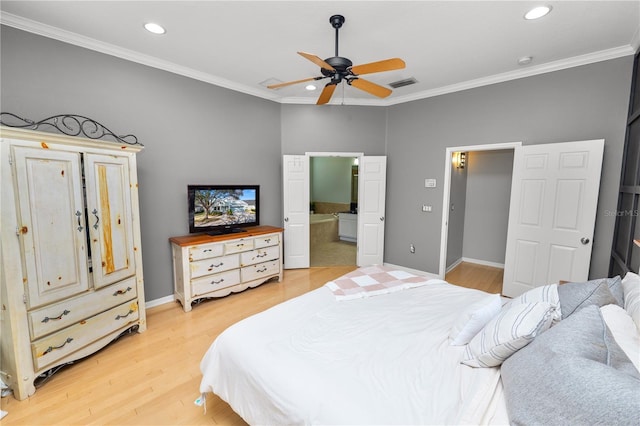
(333, 191)
(476, 208)
(370, 221)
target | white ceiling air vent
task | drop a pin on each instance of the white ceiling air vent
(401, 83)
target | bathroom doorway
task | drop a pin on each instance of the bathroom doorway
(333, 189)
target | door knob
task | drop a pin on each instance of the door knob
(286, 219)
(585, 240)
(381, 218)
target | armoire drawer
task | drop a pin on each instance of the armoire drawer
(62, 314)
(214, 265)
(260, 270)
(267, 240)
(215, 282)
(205, 251)
(260, 255)
(49, 349)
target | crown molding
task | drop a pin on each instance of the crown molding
(576, 61)
(49, 31)
(151, 61)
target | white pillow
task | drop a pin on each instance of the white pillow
(545, 293)
(511, 330)
(631, 290)
(624, 331)
(474, 318)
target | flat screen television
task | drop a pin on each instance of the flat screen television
(223, 209)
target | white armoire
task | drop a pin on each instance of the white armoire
(71, 277)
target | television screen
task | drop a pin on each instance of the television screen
(220, 209)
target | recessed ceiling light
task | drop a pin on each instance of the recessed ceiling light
(525, 60)
(154, 28)
(537, 12)
(310, 87)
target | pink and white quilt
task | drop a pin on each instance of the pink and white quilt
(375, 280)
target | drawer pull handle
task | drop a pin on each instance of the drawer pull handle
(239, 244)
(78, 214)
(214, 282)
(121, 292)
(59, 317)
(263, 269)
(95, 213)
(213, 265)
(124, 316)
(207, 250)
(51, 348)
(267, 240)
(261, 255)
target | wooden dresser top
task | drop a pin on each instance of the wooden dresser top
(250, 231)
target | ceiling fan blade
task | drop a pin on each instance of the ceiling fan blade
(369, 87)
(386, 65)
(319, 62)
(288, 83)
(326, 94)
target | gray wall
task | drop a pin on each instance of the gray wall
(487, 210)
(193, 132)
(580, 103)
(457, 209)
(332, 128)
(199, 133)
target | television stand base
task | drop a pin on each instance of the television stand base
(226, 231)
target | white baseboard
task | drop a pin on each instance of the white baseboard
(412, 271)
(158, 302)
(483, 262)
(453, 265)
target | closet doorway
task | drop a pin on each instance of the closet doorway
(477, 193)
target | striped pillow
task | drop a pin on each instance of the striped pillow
(546, 293)
(513, 329)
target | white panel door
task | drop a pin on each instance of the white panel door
(51, 223)
(296, 211)
(372, 177)
(110, 219)
(554, 197)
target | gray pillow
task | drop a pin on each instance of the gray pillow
(615, 286)
(575, 296)
(574, 373)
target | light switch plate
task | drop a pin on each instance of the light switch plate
(429, 183)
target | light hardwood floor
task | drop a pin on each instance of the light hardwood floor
(471, 275)
(152, 378)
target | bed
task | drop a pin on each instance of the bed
(404, 349)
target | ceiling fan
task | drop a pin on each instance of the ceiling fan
(340, 69)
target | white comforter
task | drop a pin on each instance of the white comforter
(378, 360)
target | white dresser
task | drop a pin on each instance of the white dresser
(71, 277)
(215, 266)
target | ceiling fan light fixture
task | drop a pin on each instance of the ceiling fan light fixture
(154, 28)
(340, 69)
(310, 87)
(537, 12)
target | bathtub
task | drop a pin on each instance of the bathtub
(323, 228)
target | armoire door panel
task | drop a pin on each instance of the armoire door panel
(110, 220)
(52, 224)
